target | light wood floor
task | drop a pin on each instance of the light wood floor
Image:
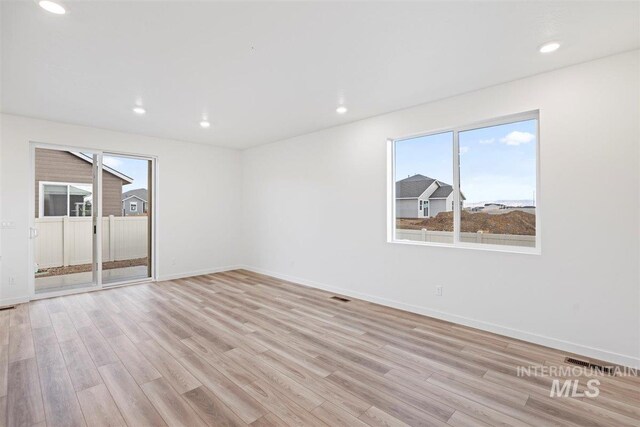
(238, 348)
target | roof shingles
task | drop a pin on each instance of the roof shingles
(413, 186)
(442, 192)
(140, 193)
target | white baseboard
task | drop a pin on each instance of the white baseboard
(198, 272)
(4, 302)
(596, 353)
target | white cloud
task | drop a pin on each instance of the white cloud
(464, 150)
(112, 162)
(518, 138)
(487, 141)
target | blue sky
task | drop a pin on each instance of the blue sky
(496, 163)
(427, 155)
(133, 168)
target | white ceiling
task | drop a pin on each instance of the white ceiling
(267, 71)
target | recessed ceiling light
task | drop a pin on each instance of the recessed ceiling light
(341, 109)
(52, 7)
(549, 47)
(205, 124)
(139, 110)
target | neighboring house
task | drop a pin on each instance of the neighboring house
(135, 202)
(64, 185)
(419, 196)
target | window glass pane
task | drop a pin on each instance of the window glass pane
(54, 200)
(424, 170)
(63, 250)
(498, 184)
(80, 199)
(126, 228)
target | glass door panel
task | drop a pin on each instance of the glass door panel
(126, 218)
(63, 229)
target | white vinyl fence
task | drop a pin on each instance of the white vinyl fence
(64, 241)
(479, 237)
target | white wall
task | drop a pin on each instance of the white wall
(209, 178)
(318, 215)
(314, 210)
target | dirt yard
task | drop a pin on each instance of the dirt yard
(515, 223)
(59, 271)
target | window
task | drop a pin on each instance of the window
(423, 172)
(133, 206)
(480, 182)
(65, 199)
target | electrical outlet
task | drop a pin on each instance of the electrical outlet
(12, 280)
(439, 291)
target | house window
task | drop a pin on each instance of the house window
(65, 199)
(423, 171)
(479, 184)
(133, 206)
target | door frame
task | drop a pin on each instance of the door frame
(97, 243)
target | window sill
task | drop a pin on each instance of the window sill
(472, 246)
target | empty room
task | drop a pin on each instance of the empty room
(319, 213)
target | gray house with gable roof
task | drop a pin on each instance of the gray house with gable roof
(419, 196)
(135, 202)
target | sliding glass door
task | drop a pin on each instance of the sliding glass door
(126, 218)
(64, 219)
(92, 219)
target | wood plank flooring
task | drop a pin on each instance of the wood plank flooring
(238, 348)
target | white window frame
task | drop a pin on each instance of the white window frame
(132, 205)
(41, 197)
(391, 186)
